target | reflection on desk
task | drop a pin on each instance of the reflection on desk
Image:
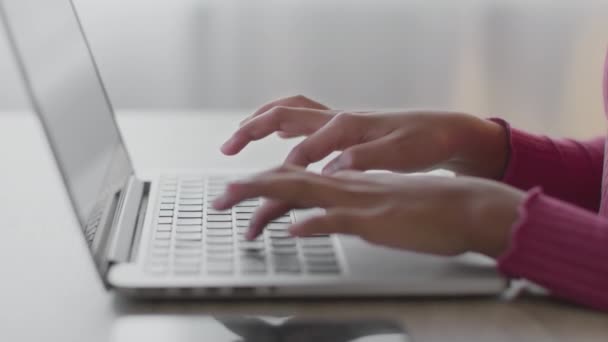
(157, 328)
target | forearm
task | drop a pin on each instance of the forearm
(566, 169)
(561, 247)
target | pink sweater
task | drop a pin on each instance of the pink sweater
(561, 238)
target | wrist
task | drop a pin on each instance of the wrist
(493, 209)
(483, 149)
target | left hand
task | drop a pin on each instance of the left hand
(431, 214)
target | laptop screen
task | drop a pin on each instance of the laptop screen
(68, 95)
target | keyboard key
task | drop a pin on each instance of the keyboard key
(211, 211)
(242, 223)
(287, 265)
(279, 234)
(277, 226)
(163, 227)
(215, 258)
(219, 218)
(167, 206)
(253, 265)
(242, 230)
(224, 249)
(169, 193)
(243, 216)
(189, 236)
(188, 244)
(165, 220)
(184, 197)
(248, 210)
(185, 183)
(189, 222)
(220, 240)
(219, 232)
(168, 200)
(219, 225)
(185, 259)
(219, 271)
(197, 208)
(165, 213)
(248, 204)
(252, 245)
(190, 202)
(220, 267)
(162, 236)
(243, 239)
(315, 242)
(283, 243)
(188, 252)
(214, 193)
(189, 214)
(189, 229)
(193, 189)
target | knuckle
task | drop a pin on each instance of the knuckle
(277, 111)
(343, 118)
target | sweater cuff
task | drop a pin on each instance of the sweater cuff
(518, 142)
(561, 247)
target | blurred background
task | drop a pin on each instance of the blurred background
(537, 63)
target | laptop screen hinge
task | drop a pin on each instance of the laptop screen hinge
(129, 219)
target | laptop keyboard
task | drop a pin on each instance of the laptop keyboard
(191, 238)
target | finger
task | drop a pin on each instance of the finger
(298, 101)
(302, 190)
(267, 212)
(339, 133)
(298, 121)
(335, 221)
(373, 155)
(285, 135)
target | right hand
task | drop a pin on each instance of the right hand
(408, 141)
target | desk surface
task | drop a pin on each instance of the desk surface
(50, 292)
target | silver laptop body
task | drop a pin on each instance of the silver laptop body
(155, 235)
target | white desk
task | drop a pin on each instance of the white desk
(49, 290)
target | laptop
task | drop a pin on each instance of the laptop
(157, 235)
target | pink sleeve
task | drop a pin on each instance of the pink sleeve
(567, 169)
(561, 247)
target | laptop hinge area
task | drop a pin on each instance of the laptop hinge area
(129, 219)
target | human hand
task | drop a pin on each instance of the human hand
(400, 141)
(431, 214)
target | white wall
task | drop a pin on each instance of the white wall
(520, 59)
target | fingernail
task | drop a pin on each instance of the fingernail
(219, 203)
(225, 148)
(250, 235)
